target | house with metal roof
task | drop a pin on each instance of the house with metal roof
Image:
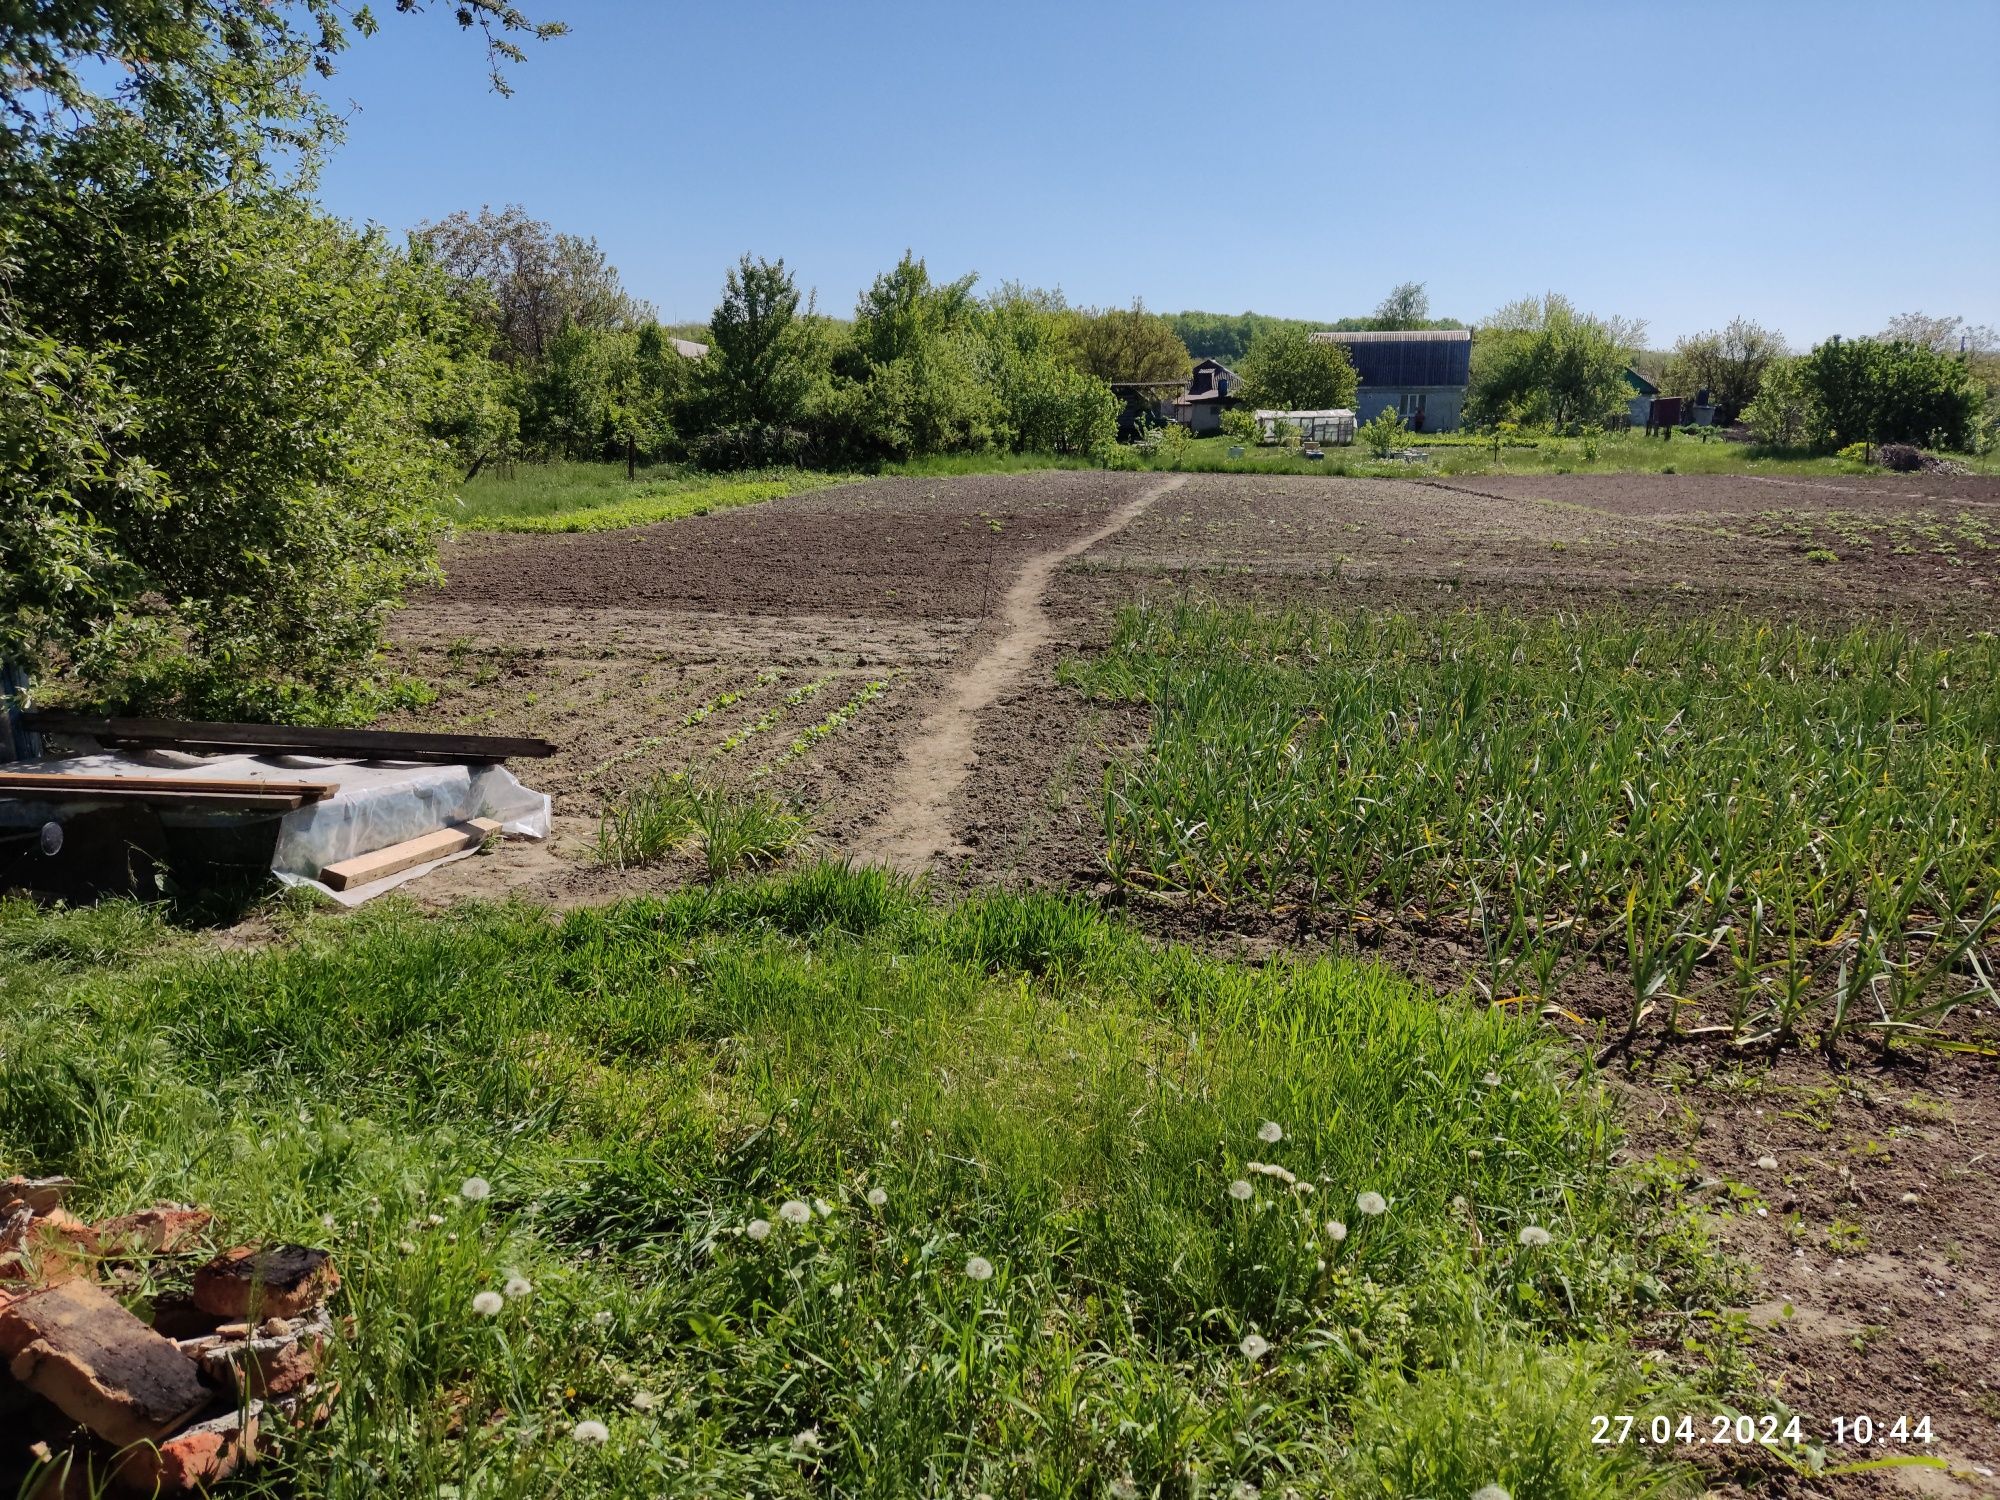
(1212, 389)
(1420, 373)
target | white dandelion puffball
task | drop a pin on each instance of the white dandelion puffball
(488, 1304)
(792, 1211)
(757, 1229)
(806, 1440)
(1534, 1236)
(1491, 1080)
(1240, 1190)
(877, 1198)
(1768, 1163)
(1335, 1230)
(594, 1433)
(979, 1268)
(602, 1317)
(474, 1189)
(1254, 1346)
(644, 1401)
(1270, 1132)
(1491, 1492)
(1243, 1489)
(517, 1287)
(1124, 1489)
(1372, 1204)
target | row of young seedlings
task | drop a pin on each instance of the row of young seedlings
(1770, 826)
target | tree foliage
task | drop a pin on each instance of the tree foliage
(1291, 371)
(526, 281)
(1541, 361)
(1130, 343)
(1407, 306)
(1891, 391)
(223, 417)
(1729, 365)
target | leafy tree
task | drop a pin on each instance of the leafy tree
(914, 368)
(528, 282)
(1406, 306)
(223, 417)
(1230, 337)
(1129, 343)
(1291, 371)
(1730, 365)
(1540, 360)
(1785, 413)
(1877, 391)
(759, 369)
(1941, 335)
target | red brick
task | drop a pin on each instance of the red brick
(100, 1366)
(272, 1281)
(196, 1457)
(162, 1230)
(40, 1193)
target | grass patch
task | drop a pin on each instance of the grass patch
(755, 1148)
(737, 830)
(598, 497)
(1766, 830)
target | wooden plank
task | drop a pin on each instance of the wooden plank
(63, 781)
(365, 868)
(146, 796)
(379, 744)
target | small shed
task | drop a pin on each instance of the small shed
(1332, 426)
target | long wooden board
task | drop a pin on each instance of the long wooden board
(56, 783)
(144, 795)
(382, 744)
(365, 868)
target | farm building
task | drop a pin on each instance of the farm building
(1420, 373)
(1333, 426)
(1639, 409)
(1210, 391)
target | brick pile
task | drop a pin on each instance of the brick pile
(107, 1389)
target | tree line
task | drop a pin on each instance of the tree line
(227, 420)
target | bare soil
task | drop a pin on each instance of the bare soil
(717, 642)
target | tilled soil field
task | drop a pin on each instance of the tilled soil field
(938, 610)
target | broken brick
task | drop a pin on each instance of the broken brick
(195, 1457)
(273, 1364)
(275, 1281)
(81, 1351)
(162, 1230)
(42, 1194)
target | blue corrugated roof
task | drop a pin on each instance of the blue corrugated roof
(1431, 356)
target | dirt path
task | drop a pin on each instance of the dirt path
(917, 824)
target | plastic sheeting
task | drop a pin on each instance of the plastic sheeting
(379, 803)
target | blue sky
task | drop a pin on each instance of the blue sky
(1817, 166)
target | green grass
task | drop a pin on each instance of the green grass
(1021, 1080)
(736, 830)
(1769, 831)
(598, 497)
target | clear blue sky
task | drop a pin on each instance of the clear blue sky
(1817, 166)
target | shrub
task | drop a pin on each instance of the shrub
(1891, 391)
(1383, 433)
(1854, 453)
(1786, 413)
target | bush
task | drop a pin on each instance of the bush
(1891, 391)
(755, 445)
(1384, 432)
(1854, 453)
(1239, 426)
(1786, 413)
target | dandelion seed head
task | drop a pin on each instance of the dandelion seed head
(979, 1268)
(1768, 1163)
(1270, 1132)
(1534, 1236)
(602, 1317)
(1372, 1204)
(408, 1247)
(488, 1304)
(474, 1189)
(433, 1220)
(757, 1229)
(806, 1440)
(1240, 1190)
(877, 1198)
(644, 1401)
(591, 1432)
(1335, 1230)
(1124, 1488)
(1491, 1080)
(517, 1287)
(792, 1211)
(1491, 1492)
(1254, 1346)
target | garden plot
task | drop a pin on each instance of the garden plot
(801, 649)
